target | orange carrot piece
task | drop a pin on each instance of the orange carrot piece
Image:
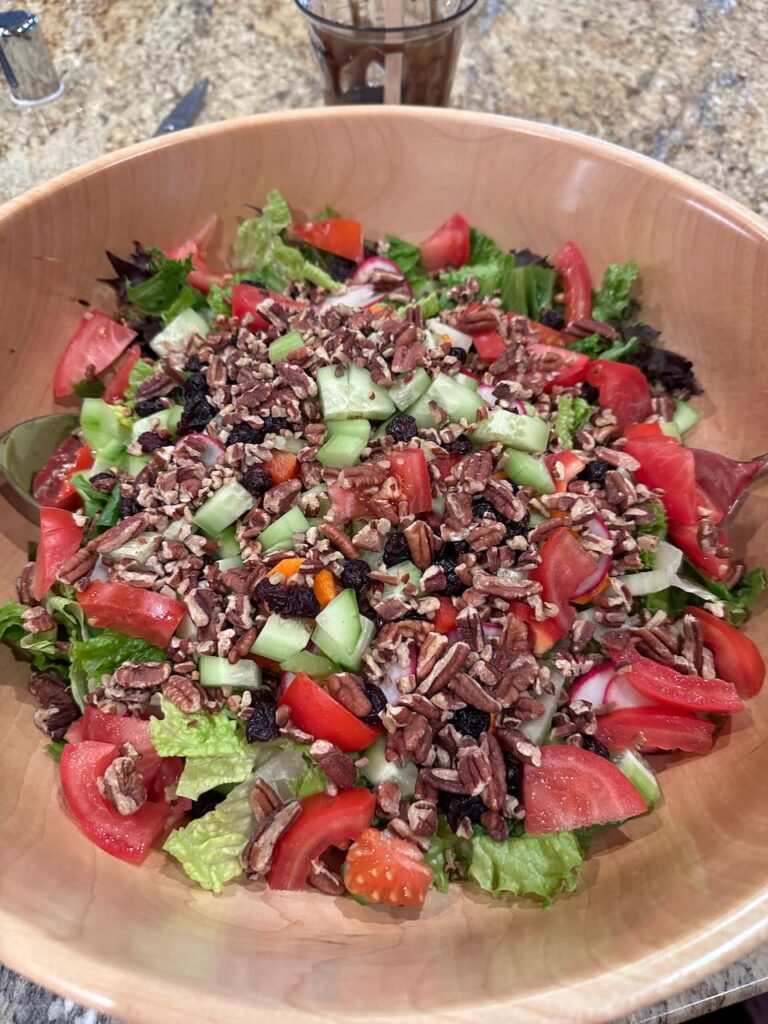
(325, 587)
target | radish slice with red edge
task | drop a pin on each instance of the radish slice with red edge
(622, 694)
(285, 681)
(369, 267)
(596, 526)
(485, 391)
(205, 447)
(449, 335)
(594, 685)
(356, 296)
(392, 674)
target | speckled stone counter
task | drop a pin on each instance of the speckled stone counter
(684, 81)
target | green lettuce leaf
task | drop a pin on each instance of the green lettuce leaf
(407, 256)
(140, 371)
(198, 735)
(42, 649)
(100, 655)
(209, 848)
(277, 212)
(104, 507)
(55, 748)
(739, 599)
(220, 299)
(487, 263)
(207, 772)
(310, 781)
(572, 414)
(527, 865)
(671, 601)
(597, 347)
(658, 525)
(611, 299)
(167, 293)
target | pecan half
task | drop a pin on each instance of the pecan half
(263, 800)
(337, 766)
(37, 620)
(186, 695)
(501, 586)
(142, 675)
(516, 743)
(478, 320)
(124, 531)
(123, 785)
(339, 540)
(78, 566)
(430, 650)
(324, 880)
(473, 768)
(495, 792)
(445, 668)
(388, 800)
(257, 856)
(422, 543)
(279, 499)
(349, 691)
(471, 692)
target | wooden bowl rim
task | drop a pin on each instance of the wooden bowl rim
(56, 964)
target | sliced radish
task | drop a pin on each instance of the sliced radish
(285, 681)
(492, 629)
(596, 526)
(449, 335)
(622, 694)
(485, 391)
(593, 686)
(201, 446)
(356, 296)
(369, 267)
(393, 673)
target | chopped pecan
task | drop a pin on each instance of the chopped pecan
(369, 474)
(474, 769)
(504, 500)
(445, 779)
(434, 580)
(37, 620)
(458, 508)
(155, 386)
(475, 471)
(123, 785)
(422, 818)
(430, 650)
(349, 691)
(504, 586)
(142, 675)
(516, 743)
(486, 535)
(339, 540)
(279, 499)
(471, 692)
(25, 584)
(181, 691)
(470, 628)
(422, 543)
(478, 320)
(337, 766)
(417, 737)
(117, 535)
(388, 800)
(324, 880)
(78, 566)
(423, 705)
(263, 800)
(201, 603)
(411, 629)
(445, 668)
(494, 825)
(257, 856)
(495, 792)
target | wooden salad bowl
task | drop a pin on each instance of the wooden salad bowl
(666, 899)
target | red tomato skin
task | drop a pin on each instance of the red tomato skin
(448, 246)
(315, 711)
(737, 658)
(564, 566)
(445, 617)
(68, 496)
(60, 537)
(121, 729)
(669, 468)
(130, 610)
(723, 480)
(96, 343)
(115, 390)
(324, 821)
(246, 298)
(127, 837)
(571, 465)
(573, 365)
(574, 788)
(48, 482)
(570, 262)
(662, 728)
(411, 471)
(648, 430)
(335, 235)
(282, 466)
(489, 345)
(685, 692)
(686, 537)
(196, 243)
(543, 635)
(385, 869)
(347, 503)
(445, 465)
(623, 389)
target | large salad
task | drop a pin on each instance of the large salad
(375, 566)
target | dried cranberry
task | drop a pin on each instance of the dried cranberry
(370, 613)
(262, 724)
(378, 702)
(518, 528)
(245, 433)
(471, 721)
(204, 803)
(103, 481)
(198, 413)
(589, 393)
(129, 507)
(341, 269)
(514, 774)
(460, 445)
(551, 318)
(355, 574)
(453, 585)
(193, 363)
(396, 548)
(482, 507)
(195, 384)
(148, 407)
(594, 472)
(593, 744)
(151, 440)
(456, 808)
(257, 480)
(458, 353)
(452, 550)
(287, 599)
(402, 427)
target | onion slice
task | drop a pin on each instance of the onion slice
(355, 296)
(448, 335)
(622, 694)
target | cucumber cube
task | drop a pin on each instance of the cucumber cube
(135, 463)
(685, 415)
(459, 402)
(409, 387)
(353, 659)
(279, 535)
(524, 433)
(349, 428)
(245, 675)
(229, 545)
(528, 471)
(164, 419)
(341, 619)
(174, 337)
(313, 665)
(366, 398)
(222, 509)
(406, 573)
(378, 769)
(344, 447)
(102, 423)
(137, 550)
(280, 638)
(640, 774)
(225, 564)
(282, 347)
(467, 382)
(333, 385)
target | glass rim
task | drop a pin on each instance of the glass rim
(386, 30)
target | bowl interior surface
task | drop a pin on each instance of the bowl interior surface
(665, 899)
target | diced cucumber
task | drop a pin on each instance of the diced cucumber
(367, 399)
(313, 665)
(112, 454)
(163, 419)
(671, 429)
(288, 444)
(438, 505)
(528, 471)
(537, 729)
(229, 545)
(321, 490)
(225, 564)
(467, 382)
(135, 463)
(640, 774)
(685, 415)
(174, 337)
(102, 423)
(282, 531)
(351, 660)
(523, 433)
(222, 509)
(536, 517)
(341, 619)
(281, 347)
(245, 675)
(349, 428)
(280, 638)
(333, 385)
(458, 402)
(137, 550)
(174, 529)
(344, 448)
(406, 572)
(409, 387)
(379, 769)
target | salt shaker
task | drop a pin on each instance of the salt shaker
(26, 60)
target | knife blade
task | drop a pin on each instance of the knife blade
(186, 111)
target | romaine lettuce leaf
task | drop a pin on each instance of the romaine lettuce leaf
(103, 653)
(198, 735)
(611, 299)
(207, 772)
(487, 263)
(167, 293)
(527, 865)
(39, 648)
(572, 414)
(209, 849)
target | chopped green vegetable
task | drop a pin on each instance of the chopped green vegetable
(611, 299)
(167, 292)
(487, 263)
(55, 749)
(105, 506)
(39, 648)
(572, 414)
(658, 525)
(526, 865)
(140, 371)
(597, 347)
(407, 256)
(671, 601)
(207, 772)
(197, 735)
(739, 598)
(101, 655)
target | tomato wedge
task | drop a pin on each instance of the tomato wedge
(335, 235)
(737, 658)
(563, 467)
(127, 837)
(686, 537)
(445, 617)
(196, 243)
(565, 565)
(202, 275)
(384, 869)
(542, 636)
(489, 345)
(661, 728)
(448, 246)
(60, 537)
(563, 368)
(669, 468)
(48, 482)
(115, 390)
(666, 685)
(133, 611)
(648, 430)
(68, 496)
(411, 471)
(574, 788)
(315, 711)
(348, 503)
(246, 298)
(570, 262)
(324, 821)
(623, 389)
(95, 345)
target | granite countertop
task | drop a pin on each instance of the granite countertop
(684, 81)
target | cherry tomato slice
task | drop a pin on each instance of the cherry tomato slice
(543, 635)
(411, 471)
(445, 617)
(315, 711)
(563, 368)
(565, 565)
(686, 537)
(48, 482)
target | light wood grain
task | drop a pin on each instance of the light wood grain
(688, 893)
